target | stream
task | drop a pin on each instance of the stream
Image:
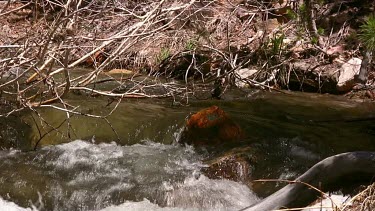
(144, 167)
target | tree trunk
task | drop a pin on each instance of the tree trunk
(310, 18)
(362, 76)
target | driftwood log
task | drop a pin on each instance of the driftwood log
(320, 175)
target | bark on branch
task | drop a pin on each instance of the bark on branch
(324, 173)
(310, 18)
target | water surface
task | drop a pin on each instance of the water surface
(143, 167)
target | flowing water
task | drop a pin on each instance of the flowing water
(148, 170)
(81, 175)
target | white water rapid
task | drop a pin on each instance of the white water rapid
(82, 175)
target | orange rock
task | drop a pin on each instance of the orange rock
(206, 118)
(209, 126)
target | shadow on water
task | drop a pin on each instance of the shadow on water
(287, 134)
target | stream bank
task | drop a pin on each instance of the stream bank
(267, 45)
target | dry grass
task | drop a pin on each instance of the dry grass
(364, 201)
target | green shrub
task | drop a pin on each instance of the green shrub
(291, 14)
(367, 34)
(302, 11)
(314, 40)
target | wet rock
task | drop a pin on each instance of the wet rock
(348, 71)
(210, 126)
(233, 165)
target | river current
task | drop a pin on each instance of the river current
(149, 170)
(82, 175)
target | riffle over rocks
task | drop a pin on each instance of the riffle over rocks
(211, 127)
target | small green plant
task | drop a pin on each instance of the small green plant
(302, 13)
(314, 40)
(163, 54)
(276, 43)
(300, 33)
(291, 14)
(302, 8)
(191, 44)
(367, 34)
(321, 31)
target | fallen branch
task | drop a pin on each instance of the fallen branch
(15, 9)
(322, 173)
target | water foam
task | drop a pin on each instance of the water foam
(208, 194)
(83, 152)
(197, 194)
(144, 205)
(148, 176)
(11, 206)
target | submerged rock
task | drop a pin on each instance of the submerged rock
(210, 126)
